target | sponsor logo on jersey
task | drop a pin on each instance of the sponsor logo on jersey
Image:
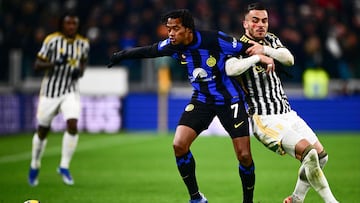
(234, 43)
(164, 43)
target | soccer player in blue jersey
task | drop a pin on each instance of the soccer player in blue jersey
(203, 53)
(273, 121)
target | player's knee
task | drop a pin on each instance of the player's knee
(42, 132)
(244, 158)
(72, 126)
(323, 158)
(180, 149)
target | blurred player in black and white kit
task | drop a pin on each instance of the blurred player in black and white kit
(63, 58)
(273, 121)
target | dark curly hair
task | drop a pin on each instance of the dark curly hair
(183, 14)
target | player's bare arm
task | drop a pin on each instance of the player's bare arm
(41, 64)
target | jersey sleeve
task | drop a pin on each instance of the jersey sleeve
(85, 50)
(44, 51)
(231, 46)
(274, 40)
(151, 51)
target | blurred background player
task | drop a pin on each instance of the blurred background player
(203, 54)
(63, 57)
(274, 123)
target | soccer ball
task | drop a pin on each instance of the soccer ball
(32, 201)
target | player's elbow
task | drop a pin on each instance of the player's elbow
(289, 61)
(286, 57)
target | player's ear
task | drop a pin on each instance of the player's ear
(245, 25)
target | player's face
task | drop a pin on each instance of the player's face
(256, 24)
(177, 33)
(70, 26)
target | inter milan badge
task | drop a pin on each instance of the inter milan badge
(189, 107)
(211, 61)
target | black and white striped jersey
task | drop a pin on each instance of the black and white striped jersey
(264, 92)
(58, 82)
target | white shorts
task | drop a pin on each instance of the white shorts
(280, 133)
(48, 108)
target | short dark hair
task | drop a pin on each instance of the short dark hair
(183, 14)
(254, 6)
(69, 13)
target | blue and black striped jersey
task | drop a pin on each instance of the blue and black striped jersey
(205, 62)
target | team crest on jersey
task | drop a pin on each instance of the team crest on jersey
(211, 61)
(189, 107)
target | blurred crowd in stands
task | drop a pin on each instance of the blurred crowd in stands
(320, 33)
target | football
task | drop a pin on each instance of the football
(32, 201)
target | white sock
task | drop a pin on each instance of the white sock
(38, 148)
(303, 186)
(69, 144)
(311, 169)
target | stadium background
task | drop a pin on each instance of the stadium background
(323, 35)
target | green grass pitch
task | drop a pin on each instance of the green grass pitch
(140, 167)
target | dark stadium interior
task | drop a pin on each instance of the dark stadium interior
(319, 33)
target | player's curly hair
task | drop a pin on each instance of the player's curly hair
(183, 14)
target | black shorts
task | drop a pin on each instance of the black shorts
(233, 117)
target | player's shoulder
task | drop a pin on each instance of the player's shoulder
(244, 39)
(210, 35)
(164, 44)
(271, 36)
(52, 36)
(272, 39)
(81, 38)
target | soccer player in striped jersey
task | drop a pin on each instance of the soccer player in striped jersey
(203, 54)
(273, 121)
(63, 58)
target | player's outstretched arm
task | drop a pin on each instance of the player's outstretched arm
(150, 51)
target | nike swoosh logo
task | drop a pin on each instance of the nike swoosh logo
(183, 62)
(238, 124)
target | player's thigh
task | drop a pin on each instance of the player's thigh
(302, 128)
(47, 109)
(276, 133)
(71, 106)
(197, 116)
(184, 137)
(234, 119)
